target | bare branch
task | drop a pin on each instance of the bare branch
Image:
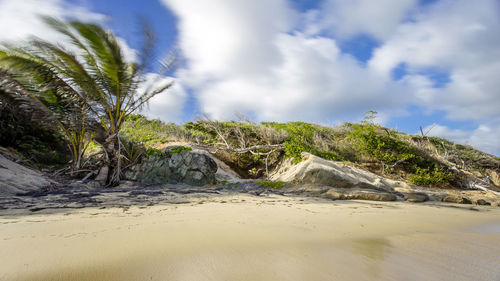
(244, 149)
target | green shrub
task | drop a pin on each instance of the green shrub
(178, 149)
(429, 177)
(155, 152)
(271, 184)
(148, 132)
(132, 151)
(385, 146)
(33, 138)
(302, 139)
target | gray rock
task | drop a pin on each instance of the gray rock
(416, 197)
(319, 171)
(358, 194)
(188, 167)
(457, 199)
(308, 189)
(18, 179)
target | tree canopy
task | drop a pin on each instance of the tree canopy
(85, 86)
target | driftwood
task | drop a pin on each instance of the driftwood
(272, 147)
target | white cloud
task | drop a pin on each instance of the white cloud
(21, 19)
(376, 18)
(459, 37)
(244, 56)
(485, 136)
(167, 105)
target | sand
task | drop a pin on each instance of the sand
(245, 237)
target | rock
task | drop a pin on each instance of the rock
(18, 179)
(319, 171)
(152, 170)
(103, 175)
(192, 167)
(358, 194)
(333, 194)
(415, 197)
(224, 172)
(456, 199)
(308, 189)
(480, 201)
(494, 177)
(188, 167)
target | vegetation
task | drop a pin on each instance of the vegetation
(84, 98)
(155, 152)
(89, 93)
(302, 138)
(429, 177)
(152, 132)
(180, 148)
(271, 184)
(42, 145)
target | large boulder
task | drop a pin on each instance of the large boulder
(224, 172)
(188, 167)
(192, 167)
(319, 171)
(18, 179)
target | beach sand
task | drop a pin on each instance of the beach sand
(245, 237)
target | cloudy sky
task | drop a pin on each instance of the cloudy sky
(432, 63)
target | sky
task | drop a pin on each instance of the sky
(433, 64)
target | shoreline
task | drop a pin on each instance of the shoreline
(247, 237)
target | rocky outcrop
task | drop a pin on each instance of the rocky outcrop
(415, 197)
(17, 179)
(334, 180)
(316, 170)
(188, 167)
(192, 167)
(224, 172)
(358, 194)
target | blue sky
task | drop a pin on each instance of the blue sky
(429, 63)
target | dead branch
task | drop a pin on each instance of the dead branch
(242, 150)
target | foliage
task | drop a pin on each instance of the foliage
(301, 139)
(155, 152)
(132, 151)
(429, 177)
(271, 184)
(180, 148)
(152, 132)
(94, 87)
(37, 142)
(369, 118)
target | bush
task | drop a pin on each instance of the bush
(271, 184)
(429, 177)
(178, 149)
(385, 146)
(302, 139)
(35, 140)
(147, 132)
(155, 152)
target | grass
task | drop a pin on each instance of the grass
(271, 184)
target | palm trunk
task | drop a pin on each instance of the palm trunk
(109, 174)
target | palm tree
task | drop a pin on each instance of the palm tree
(92, 80)
(50, 108)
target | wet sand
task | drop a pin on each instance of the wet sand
(245, 237)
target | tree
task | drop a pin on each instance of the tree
(90, 82)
